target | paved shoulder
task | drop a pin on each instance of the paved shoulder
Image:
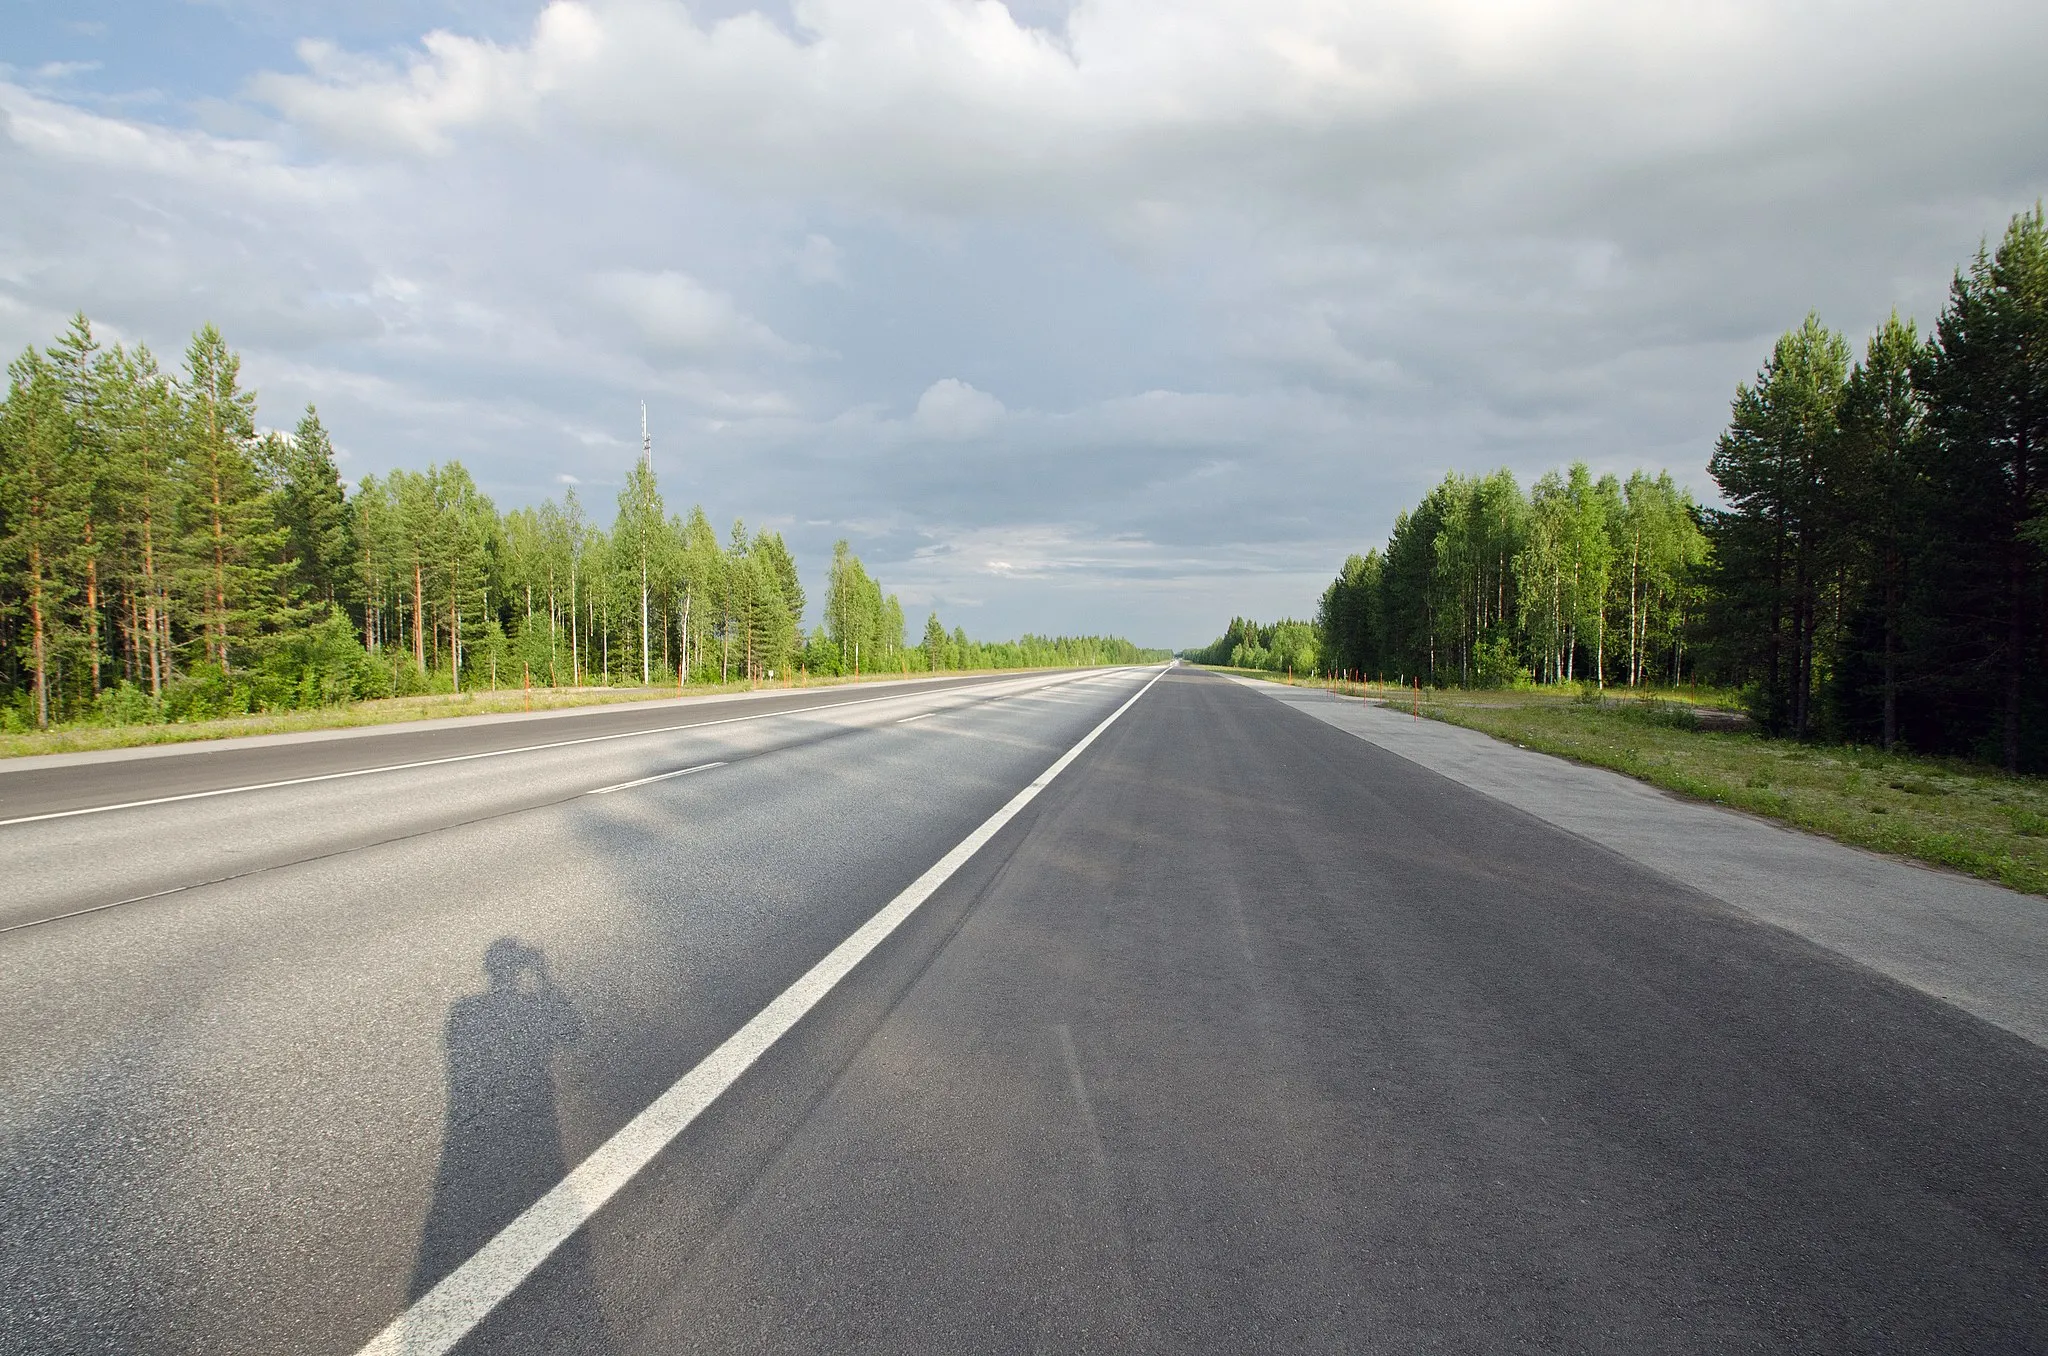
(1979, 946)
(1251, 1036)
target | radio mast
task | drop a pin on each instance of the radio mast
(646, 472)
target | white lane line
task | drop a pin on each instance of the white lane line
(919, 716)
(657, 777)
(472, 757)
(304, 861)
(465, 1297)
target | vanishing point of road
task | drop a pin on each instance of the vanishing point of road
(1112, 1010)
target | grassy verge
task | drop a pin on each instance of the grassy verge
(391, 711)
(1942, 811)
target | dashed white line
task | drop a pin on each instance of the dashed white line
(465, 1297)
(469, 757)
(657, 777)
(919, 716)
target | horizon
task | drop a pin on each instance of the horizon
(1081, 319)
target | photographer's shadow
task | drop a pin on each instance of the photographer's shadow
(502, 1149)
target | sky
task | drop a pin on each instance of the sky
(1096, 316)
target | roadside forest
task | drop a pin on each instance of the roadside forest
(1876, 571)
(1484, 585)
(162, 557)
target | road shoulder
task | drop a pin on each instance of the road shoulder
(1978, 946)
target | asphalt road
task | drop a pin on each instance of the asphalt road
(70, 782)
(1244, 1035)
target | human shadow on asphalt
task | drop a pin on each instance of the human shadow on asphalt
(502, 1148)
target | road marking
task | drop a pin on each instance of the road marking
(465, 1297)
(316, 857)
(657, 777)
(919, 716)
(472, 757)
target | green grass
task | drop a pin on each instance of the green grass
(390, 711)
(1942, 811)
(1945, 812)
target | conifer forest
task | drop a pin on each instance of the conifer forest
(1876, 571)
(162, 557)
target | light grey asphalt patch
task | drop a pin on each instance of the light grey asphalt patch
(221, 1116)
(89, 757)
(1976, 945)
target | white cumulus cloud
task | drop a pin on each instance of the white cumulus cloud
(1249, 273)
(952, 409)
(673, 310)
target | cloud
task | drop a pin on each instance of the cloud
(245, 169)
(676, 312)
(818, 261)
(1249, 274)
(62, 70)
(952, 409)
(951, 105)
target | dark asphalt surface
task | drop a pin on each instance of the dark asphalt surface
(1246, 1035)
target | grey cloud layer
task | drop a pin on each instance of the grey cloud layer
(1127, 319)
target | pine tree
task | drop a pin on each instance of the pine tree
(1880, 426)
(1408, 586)
(769, 546)
(1775, 544)
(144, 417)
(1984, 379)
(232, 567)
(461, 552)
(75, 359)
(778, 602)
(42, 510)
(314, 509)
(416, 515)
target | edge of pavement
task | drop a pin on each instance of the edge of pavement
(1978, 946)
(83, 757)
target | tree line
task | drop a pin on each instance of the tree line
(1285, 646)
(1877, 570)
(161, 557)
(1483, 584)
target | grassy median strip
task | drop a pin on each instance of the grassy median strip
(1941, 811)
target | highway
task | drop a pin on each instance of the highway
(828, 1021)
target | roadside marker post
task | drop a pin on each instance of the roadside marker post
(1418, 698)
(529, 684)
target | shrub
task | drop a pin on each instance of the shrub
(1495, 664)
(320, 665)
(126, 704)
(205, 692)
(1655, 711)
